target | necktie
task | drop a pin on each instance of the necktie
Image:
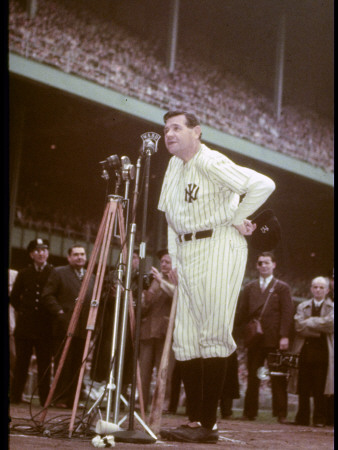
(263, 287)
(316, 309)
(79, 274)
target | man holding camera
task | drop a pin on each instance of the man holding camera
(269, 300)
(156, 306)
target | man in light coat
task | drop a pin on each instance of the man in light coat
(314, 326)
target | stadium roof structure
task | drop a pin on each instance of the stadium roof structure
(94, 92)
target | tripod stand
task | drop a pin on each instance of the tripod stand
(114, 207)
(101, 246)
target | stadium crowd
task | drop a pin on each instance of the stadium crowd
(64, 34)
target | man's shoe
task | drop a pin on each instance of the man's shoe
(247, 418)
(319, 425)
(189, 434)
(300, 424)
(166, 432)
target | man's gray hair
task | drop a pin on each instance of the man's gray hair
(321, 280)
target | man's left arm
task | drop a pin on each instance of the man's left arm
(287, 312)
(257, 189)
(255, 186)
(322, 324)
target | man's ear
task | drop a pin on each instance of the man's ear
(197, 131)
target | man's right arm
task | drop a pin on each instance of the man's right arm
(49, 294)
(302, 324)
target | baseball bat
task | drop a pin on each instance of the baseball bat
(159, 392)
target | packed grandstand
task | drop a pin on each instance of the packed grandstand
(64, 34)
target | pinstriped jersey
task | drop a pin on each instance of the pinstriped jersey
(205, 192)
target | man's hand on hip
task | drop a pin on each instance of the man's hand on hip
(246, 228)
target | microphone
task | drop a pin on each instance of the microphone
(150, 141)
(149, 146)
(128, 169)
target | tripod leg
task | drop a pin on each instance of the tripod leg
(95, 301)
(77, 310)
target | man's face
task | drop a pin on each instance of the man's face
(265, 266)
(165, 264)
(136, 261)
(319, 290)
(178, 137)
(39, 256)
(77, 258)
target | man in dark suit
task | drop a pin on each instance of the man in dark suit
(59, 297)
(33, 323)
(276, 322)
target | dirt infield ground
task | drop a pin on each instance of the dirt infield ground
(264, 433)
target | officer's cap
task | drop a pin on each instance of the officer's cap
(36, 244)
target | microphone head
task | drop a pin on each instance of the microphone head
(150, 140)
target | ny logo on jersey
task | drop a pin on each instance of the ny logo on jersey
(264, 229)
(191, 192)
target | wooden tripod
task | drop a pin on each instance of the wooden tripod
(101, 248)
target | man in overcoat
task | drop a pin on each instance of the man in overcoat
(314, 341)
(274, 296)
(33, 323)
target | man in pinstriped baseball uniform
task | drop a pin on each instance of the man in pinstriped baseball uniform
(206, 228)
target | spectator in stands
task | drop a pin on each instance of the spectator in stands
(33, 325)
(226, 101)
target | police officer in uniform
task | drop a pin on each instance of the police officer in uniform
(33, 326)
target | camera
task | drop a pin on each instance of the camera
(147, 280)
(282, 361)
(279, 364)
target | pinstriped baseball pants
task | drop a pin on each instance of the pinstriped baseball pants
(210, 273)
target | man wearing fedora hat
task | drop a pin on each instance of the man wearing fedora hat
(33, 325)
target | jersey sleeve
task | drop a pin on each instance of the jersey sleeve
(162, 203)
(254, 186)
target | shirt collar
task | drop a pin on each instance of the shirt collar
(317, 302)
(265, 281)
